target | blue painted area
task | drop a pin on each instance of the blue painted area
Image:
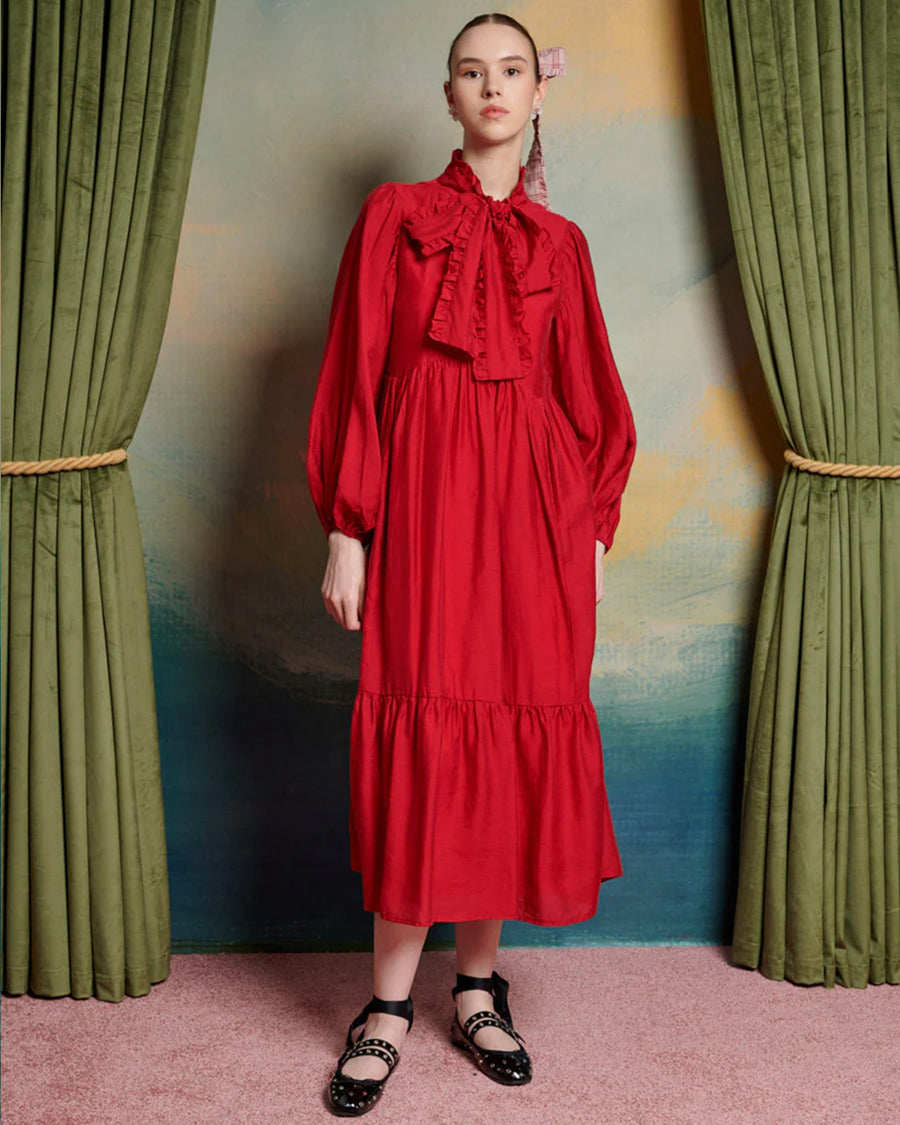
(255, 783)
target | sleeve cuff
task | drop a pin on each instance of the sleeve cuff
(365, 537)
(605, 528)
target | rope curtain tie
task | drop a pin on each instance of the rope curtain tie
(63, 464)
(841, 469)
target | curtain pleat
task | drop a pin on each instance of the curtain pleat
(102, 104)
(806, 99)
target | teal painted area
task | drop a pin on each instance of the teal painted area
(256, 808)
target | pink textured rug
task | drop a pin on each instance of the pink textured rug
(649, 1036)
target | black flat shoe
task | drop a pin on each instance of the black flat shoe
(511, 1068)
(350, 1097)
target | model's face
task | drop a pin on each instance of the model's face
(493, 86)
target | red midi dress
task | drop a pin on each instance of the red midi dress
(469, 427)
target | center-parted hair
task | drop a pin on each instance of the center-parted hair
(507, 21)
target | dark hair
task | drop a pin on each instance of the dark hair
(508, 21)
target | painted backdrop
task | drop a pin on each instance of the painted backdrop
(309, 104)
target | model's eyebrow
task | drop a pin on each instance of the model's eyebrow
(506, 58)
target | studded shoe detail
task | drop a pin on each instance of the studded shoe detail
(351, 1097)
(511, 1068)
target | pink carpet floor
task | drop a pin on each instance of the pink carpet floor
(618, 1036)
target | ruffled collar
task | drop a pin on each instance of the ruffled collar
(459, 174)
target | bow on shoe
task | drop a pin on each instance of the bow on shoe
(480, 309)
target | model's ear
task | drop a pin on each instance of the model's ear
(541, 90)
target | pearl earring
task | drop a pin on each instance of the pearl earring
(452, 111)
(535, 113)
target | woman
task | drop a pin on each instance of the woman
(469, 443)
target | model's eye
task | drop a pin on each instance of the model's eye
(512, 70)
(471, 74)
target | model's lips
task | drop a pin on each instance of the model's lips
(494, 111)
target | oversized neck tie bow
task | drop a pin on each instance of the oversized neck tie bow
(498, 254)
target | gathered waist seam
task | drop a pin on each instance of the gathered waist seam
(438, 366)
(467, 699)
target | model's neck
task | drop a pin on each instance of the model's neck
(496, 167)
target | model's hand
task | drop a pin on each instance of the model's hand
(598, 571)
(344, 584)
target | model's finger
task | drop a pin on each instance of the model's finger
(349, 614)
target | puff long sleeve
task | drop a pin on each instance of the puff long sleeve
(587, 385)
(344, 458)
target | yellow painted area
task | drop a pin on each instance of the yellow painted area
(659, 487)
(626, 58)
(723, 444)
(724, 424)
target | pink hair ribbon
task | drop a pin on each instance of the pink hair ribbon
(552, 63)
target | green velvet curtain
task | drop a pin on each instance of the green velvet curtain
(101, 106)
(807, 102)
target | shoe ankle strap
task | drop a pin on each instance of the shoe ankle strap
(402, 1008)
(466, 983)
(495, 984)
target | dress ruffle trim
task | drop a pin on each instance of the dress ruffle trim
(469, 808)
(515, 277)
(465, 217)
